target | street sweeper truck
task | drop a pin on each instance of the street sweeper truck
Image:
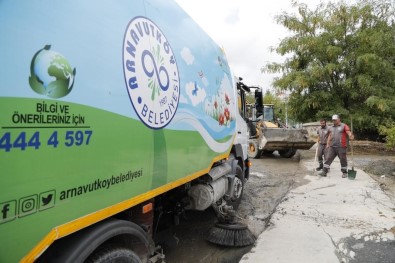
(113, 115)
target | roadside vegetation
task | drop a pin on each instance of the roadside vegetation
(340, 59)
(389, 132)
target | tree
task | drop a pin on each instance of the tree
(279, 105)
(388, 130)
(340, 59)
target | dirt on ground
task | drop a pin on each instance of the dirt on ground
(271, 179)
(378, 161)
(369, 147)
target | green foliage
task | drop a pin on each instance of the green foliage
(250, 98)
(340, 59)
(270, 98)
(389, 132)
(279, 105)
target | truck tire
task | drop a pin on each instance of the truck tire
(287, 153)
(239, 180)
(113, 253)
(253, 150)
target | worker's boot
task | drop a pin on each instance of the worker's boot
(319, 168)
(324, 172)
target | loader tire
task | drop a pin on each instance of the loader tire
(253, 150)
(287, 153)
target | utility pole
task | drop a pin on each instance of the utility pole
(286, 111)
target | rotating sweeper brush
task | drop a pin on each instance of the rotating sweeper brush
(227, 231)
(231, 234)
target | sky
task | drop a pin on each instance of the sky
(246, 30)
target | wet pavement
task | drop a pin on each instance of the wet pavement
(299, 217)
(270, 180)
(329, 219)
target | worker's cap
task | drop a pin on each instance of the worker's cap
(335, 117)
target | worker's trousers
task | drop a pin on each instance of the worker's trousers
(321, 154)
(331, 153)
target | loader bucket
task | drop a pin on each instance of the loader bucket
(283, 139)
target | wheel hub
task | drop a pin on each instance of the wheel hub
(238, 188)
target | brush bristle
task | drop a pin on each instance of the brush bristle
(232, 236)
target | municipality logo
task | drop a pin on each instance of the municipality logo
(151, 73)
(51, 74)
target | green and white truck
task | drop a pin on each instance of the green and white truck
(108, 111)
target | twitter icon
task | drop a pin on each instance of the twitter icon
(47, 199)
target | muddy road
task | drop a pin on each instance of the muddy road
(270, 180)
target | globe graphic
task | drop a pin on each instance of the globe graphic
(51, 74)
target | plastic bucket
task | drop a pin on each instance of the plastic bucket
(351, 174)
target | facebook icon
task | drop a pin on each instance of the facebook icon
(7, 211)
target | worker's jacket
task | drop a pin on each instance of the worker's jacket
(323, 134)
(339, 135)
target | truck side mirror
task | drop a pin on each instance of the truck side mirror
(258, 102)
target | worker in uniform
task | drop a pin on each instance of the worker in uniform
(337, 145)
(322, 133)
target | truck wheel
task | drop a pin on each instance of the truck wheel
(287, 153)
(238, 183)
(113, 253)
(253, 150)
(109, 240)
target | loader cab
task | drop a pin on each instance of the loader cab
(263, 111)
(270, 118)
(268, 113)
